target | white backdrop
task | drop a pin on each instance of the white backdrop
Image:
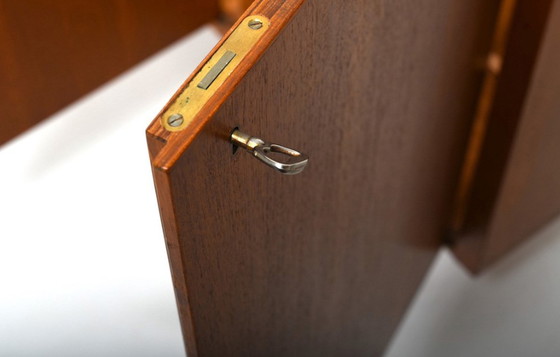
(83, 267)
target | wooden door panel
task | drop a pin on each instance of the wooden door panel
(55, 51)
(516, 187)
(380, 95)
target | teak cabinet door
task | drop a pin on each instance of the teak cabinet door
(516, 189)
(380, 95)
(55, 51)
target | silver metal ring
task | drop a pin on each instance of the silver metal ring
(296, 161)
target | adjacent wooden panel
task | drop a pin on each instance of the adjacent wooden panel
(54, 51)
(233, 9)
(380, 94)
(517, 185)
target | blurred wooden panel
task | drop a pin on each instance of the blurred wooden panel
(233, 9)
(54, 51)
(380, 94)
(516, 188)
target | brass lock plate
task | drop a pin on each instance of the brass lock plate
(213, 75)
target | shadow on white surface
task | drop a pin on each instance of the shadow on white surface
(511, 310)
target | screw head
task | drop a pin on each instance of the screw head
(256, 24)
(175, 120)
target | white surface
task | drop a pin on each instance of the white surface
(83, 267)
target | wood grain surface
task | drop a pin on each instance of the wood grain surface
(55, 51)
(380, 95)
(516, 186)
